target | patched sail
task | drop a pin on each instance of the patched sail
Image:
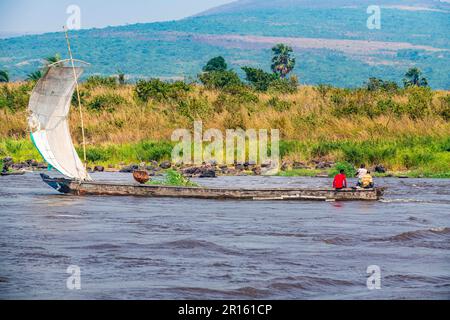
(49, 110)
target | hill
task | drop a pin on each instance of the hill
(331, 40)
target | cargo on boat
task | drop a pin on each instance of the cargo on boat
(84, 188)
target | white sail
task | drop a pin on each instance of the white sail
(49, 107)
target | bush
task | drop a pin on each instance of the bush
(444, 110)
(391, 106)
(15, 98)
(375, 84)
(419, 102)
(347, 167)
(94, 155)
(100, 81)
(174, 178)
(154, 151)
(220, 79)
(160, 90)
(279, 105)
(416, 157)
(194, 108)
(106, 102)
(216, 64)
(284, 85)
(259, 79)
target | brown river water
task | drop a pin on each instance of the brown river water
(144, 248)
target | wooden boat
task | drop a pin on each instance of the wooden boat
(85, 188)
(12, 173)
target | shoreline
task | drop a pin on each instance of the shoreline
(209, 171)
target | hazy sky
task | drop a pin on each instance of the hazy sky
(25, 16)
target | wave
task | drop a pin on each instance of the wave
(339, 241)
(419, 234)
(411, 200)
(189, 244)
(306, 283)
(414, 279)
(102, 246)
(244, 292)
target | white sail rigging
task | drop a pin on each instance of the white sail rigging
(49, 107)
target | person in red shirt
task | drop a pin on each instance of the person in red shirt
(340, 181)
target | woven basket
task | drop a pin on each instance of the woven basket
(141, 176)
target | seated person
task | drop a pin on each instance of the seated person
(366, 181)
(340, 181)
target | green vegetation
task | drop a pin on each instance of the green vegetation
(106, 102)
(346, 166)
(259, 79)
(414, 156)
(34, 76)
(414, 78)
(101, 82)
(216, 64)
(405, 129)
(173, 178)
(282, 62)
(144, 151)
(4, 76)
(160, 90)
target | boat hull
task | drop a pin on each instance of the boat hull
(6, 174)
(124, 189)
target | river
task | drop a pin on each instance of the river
(143, 248)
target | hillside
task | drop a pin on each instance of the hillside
(331, 40)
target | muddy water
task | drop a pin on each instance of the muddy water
(136, 248)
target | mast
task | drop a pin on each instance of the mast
(78, 95)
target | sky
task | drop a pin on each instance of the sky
(31, 16)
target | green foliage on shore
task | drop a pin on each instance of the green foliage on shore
(348, 168)
(174, 179)
(420, 156)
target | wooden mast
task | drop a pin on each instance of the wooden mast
(78, 95)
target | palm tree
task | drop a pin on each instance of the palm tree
(4, 76)
(282, 62)
(34, 76)
(121, 77)
(414, 78)
(52, 59)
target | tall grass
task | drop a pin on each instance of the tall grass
(404, 130)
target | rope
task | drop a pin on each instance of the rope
(78, 96)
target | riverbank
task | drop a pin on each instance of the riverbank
(425, 158)
(406, 131)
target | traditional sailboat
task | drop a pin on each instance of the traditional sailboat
(49, 109)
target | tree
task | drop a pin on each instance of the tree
(282, 62)
(414, 78)
(259, 79)
(376, 84)
(121, 77)
(220, 79)
(4, 76)
(34, 76)
(216, 64)
(52, 59)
